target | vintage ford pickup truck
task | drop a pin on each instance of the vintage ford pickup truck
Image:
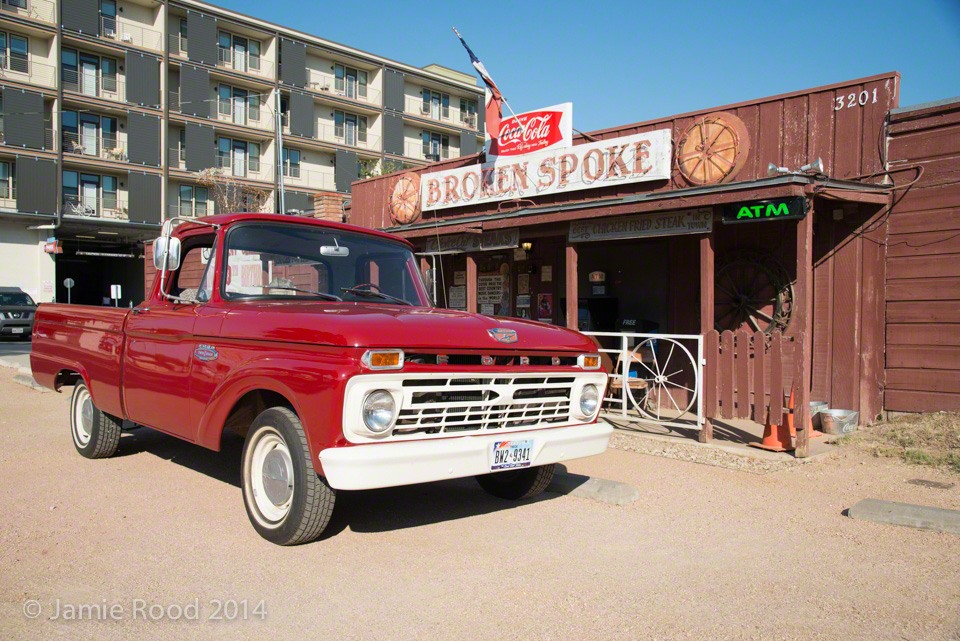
(317, 343)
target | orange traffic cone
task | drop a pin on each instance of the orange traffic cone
(775, 438)
(793, 428)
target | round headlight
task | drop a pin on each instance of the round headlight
(379, 411)
(589, 399)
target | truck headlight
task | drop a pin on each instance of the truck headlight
(379, 411)
(589, 399)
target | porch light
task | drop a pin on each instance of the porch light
(527, 246)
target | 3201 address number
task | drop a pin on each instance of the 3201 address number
(855, 99)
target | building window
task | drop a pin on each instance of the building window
(108, 18)
(183, 146)
(14, 52)
(238, 105)
(291, 162)
(193, 201)
(1, 116)
(284, 111)
(350, 129)
(349, 82)
(7, 181)
(110, 201)
(238, 52)
(183, 35)
(468, 112)
(435, 105)
(88, 74)
(238, 156)
(435, 146)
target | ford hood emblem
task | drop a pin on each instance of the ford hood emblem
(503, 335)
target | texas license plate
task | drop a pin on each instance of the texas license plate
(511, 454)
(17, 330)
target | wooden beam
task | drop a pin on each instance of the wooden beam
(572, 287)
(803, 311)
(471, 284)
(707, 313)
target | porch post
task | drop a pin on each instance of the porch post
(706, 317)
(471, 284)
(804, 319)
(572, 293)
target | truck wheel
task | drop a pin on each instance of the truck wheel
(518, 484)
(96, 434)
(287, 501)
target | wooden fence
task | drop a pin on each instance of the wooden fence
(748, 375)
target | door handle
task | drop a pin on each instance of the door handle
(140, 310)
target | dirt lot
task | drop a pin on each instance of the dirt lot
(706, 553)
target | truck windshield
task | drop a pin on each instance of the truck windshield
(16, 299)
(282, 261)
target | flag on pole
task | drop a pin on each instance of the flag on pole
(493, 107)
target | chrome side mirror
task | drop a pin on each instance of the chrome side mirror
(166, 253)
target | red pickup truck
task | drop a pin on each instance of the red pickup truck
(316, 341)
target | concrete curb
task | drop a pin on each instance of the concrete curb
(921, 517)
(12, 365)
(27, 381)
(587, 487)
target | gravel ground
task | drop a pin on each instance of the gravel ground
(705, 553)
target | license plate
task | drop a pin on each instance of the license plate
(511, 454)
(17, 330)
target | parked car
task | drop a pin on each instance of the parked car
(316, 341)
(17, 310)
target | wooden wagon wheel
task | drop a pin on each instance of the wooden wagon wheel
(713, 149)
(752, 293)
(404, 198)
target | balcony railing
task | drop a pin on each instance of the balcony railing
(42, 10)
(8, 196)
(348, 137)
(27, 71)
(243, 62)
(126, 32)
(190, 209)
(112, 206)
(245, 168)
(108, 148)
(432, 111)
(344, 88)
(228, 111)
(294, 176)
(178, 45)
(94, 84)
(430, 154)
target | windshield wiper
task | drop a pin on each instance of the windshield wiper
(305, 291)
(371, 293)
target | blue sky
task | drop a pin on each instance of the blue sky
(623, 62)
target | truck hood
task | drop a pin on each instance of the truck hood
(373, 325)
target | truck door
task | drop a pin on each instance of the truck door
(161, 344)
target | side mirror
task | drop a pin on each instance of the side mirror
(166, 249)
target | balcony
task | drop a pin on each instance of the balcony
(128, 33)
(294, 176)
(243, 62)
(244, 168)
(240, 114)
(108, 148)
(348, 137)
(42, 10)
(343, 88)
(94, 85)
(430, 154)
(8, 197)
(178, 45)
(432, 111)
(111, 206)
(17, 69)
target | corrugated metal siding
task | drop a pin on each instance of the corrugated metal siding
(393, 134)
(81, 15)
(293, 66)
(36, 185)
(144, 197)
(393, 97)
(346, 170)
(923, 264)
(194, 91)
(297, 200)
(200, 147)
(201, 38)
(23, 119)
(143, 79)
(301, 114)
(143, 139)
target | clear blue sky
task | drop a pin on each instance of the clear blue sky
(622, 62)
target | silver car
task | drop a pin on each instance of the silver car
(16, 312)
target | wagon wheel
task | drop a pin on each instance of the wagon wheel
(752, 294)
(713, 149)
(404, 198)
(678, 367)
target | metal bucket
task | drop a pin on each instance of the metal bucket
(815, 408)
(838, 422)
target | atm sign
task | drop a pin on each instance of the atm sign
(776, 209)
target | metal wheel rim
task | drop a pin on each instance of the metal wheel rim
(271, 468)
(661, 377)
(82, 418)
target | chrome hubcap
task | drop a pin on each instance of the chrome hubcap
(276, 477)
(271, 477)
(83, 418)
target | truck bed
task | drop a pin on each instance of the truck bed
(83, 339)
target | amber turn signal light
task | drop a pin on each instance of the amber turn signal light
(589, 361)
(383, 359)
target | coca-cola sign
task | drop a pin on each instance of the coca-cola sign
(534, 131)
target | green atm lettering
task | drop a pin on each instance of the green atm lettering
(757, 211)
(778, 210)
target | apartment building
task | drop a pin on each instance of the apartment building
(114, 113)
